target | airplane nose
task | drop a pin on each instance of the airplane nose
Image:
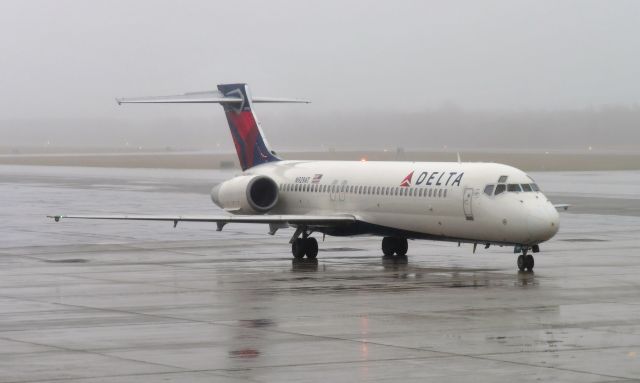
(543, 223)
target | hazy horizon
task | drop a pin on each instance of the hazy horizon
(492, 74)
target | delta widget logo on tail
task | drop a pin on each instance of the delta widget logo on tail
(434, 179)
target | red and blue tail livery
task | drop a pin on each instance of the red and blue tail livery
(251, 144)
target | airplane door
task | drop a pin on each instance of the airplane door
(466, 203)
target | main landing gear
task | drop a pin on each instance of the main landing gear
(305, 246)
(302, 244)
(393, 245)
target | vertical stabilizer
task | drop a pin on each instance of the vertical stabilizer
(251, 144)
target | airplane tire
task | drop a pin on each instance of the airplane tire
(401, 247)
(521, 262)
(529, 262)
(311, 248)
(388, 246)
(298, 248)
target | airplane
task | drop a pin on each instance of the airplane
(463, 202)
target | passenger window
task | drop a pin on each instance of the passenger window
(502, 179)
(514, 188)
(445, 193)
(420, 193)
(430, 192)
(439, 193)
(526, 187)
(535, 187)
(500, 189)
(378, 190)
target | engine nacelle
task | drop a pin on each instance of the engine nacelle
(250, 194)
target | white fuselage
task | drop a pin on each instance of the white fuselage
(432, 200)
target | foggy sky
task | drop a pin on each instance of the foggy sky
(68, 59)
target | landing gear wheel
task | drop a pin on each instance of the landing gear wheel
(521, 262)
(311, 248)
(388, 246)
(298, 248)
(529, 262)
(401, 247)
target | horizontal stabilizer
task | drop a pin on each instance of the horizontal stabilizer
(208, 97)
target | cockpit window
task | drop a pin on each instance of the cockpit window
(488, 190)
(500, 189)
(526, 187)
(535, 187)
(514, 188)
(502, 179)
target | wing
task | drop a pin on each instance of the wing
(561, 206)
(312, 220)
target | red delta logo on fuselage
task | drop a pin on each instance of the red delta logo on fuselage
(434, 179)
(406, 182)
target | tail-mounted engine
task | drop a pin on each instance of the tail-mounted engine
(248, 194)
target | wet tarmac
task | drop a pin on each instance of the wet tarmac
(113, 301)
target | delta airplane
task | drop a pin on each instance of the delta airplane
(477, 203)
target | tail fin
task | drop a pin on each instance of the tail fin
(251, 144)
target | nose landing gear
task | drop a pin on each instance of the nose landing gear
(525, 261)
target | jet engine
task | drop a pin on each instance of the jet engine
(248, 194)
